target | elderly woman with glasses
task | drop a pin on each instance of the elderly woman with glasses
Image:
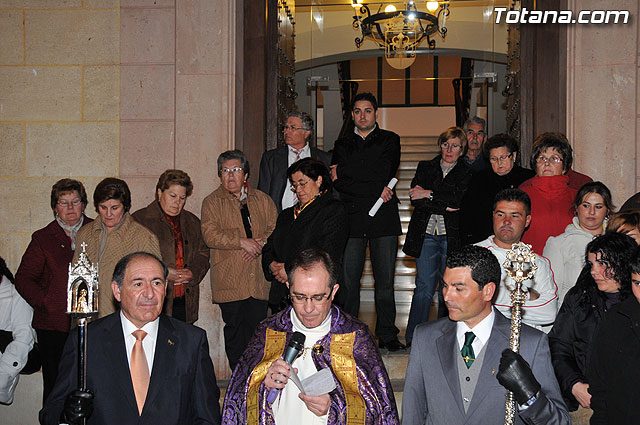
(317, 220)
(550, 193)
(436, 194)
(42, 276)
(236, 222)
(505, 173)
(183, 249)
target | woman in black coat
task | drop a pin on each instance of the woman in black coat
(613, 372)
(316, 221)
(477, 205)
(604, 282)
(436, 192)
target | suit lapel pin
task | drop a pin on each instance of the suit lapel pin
(493, 371)
(169, 341)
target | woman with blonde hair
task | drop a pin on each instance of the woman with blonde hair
(436, 193)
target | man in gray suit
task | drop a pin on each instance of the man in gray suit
(456, 373)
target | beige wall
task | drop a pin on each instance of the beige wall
(96, 88)
(59, 80)
(602, 98)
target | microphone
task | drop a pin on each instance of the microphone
(296, 343)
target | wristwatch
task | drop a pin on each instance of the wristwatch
(532, 399)
(431, 195)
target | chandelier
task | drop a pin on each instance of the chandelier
(400, 32)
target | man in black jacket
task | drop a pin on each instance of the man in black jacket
(363, 163)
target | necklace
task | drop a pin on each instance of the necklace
(316, 349)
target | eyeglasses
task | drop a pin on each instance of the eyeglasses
(295, 186)
(453, 147)
(233, 170)
(496, 159)
(554, 159)
(292, 128)
(315, 299)
(73, 203)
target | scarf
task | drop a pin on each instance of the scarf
(72, 230)
(299, 208)
(105, 234)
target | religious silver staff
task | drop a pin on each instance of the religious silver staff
(520, 266)
(82, 303)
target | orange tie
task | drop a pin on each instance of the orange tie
(139, 369)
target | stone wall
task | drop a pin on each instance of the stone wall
(602, 98)
(97, 88)
(59, 107)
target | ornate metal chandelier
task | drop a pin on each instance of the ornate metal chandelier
(400, 32)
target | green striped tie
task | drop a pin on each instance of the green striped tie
(467, 349)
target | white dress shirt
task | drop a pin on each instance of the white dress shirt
(148, 343)
(289, 198)
(482, 331)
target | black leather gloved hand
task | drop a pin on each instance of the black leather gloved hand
(77, 406)
(515, 375)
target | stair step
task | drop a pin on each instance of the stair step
(419, 148)
(402, 283)
(396, 365)
(419, 140)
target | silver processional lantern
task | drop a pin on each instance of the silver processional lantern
(82, 303)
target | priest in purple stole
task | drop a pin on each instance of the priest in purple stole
(334, 340)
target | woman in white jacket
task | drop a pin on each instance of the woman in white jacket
(15, 320)
(566, 251)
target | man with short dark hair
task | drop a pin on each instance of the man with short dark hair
(476, 129)
(333, 340)
(456, 372)
(511, 215)
(272, 179)
(142, 367)
(363, 163)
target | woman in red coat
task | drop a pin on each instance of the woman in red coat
(551, 196)
(42, 276)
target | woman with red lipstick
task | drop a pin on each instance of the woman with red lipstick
(183, 249)
(551, 196)
(436, 193)
(566, 251)
(604, 282)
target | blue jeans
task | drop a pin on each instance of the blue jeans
(383, 252)
(430, 265)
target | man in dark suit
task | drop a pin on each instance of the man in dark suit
(162, 375)
(363, 163)
(456, 374)
(272, 180)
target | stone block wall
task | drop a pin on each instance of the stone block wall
(603, 93)
(59, 107)
(97, 88)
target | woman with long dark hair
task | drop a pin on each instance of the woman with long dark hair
(592, 206)
(604, 282)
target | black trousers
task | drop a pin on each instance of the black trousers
(50, 344)
(241, 318)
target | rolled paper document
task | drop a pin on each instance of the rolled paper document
(379, 202)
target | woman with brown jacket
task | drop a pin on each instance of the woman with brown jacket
(236, 222)
(183, 249)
